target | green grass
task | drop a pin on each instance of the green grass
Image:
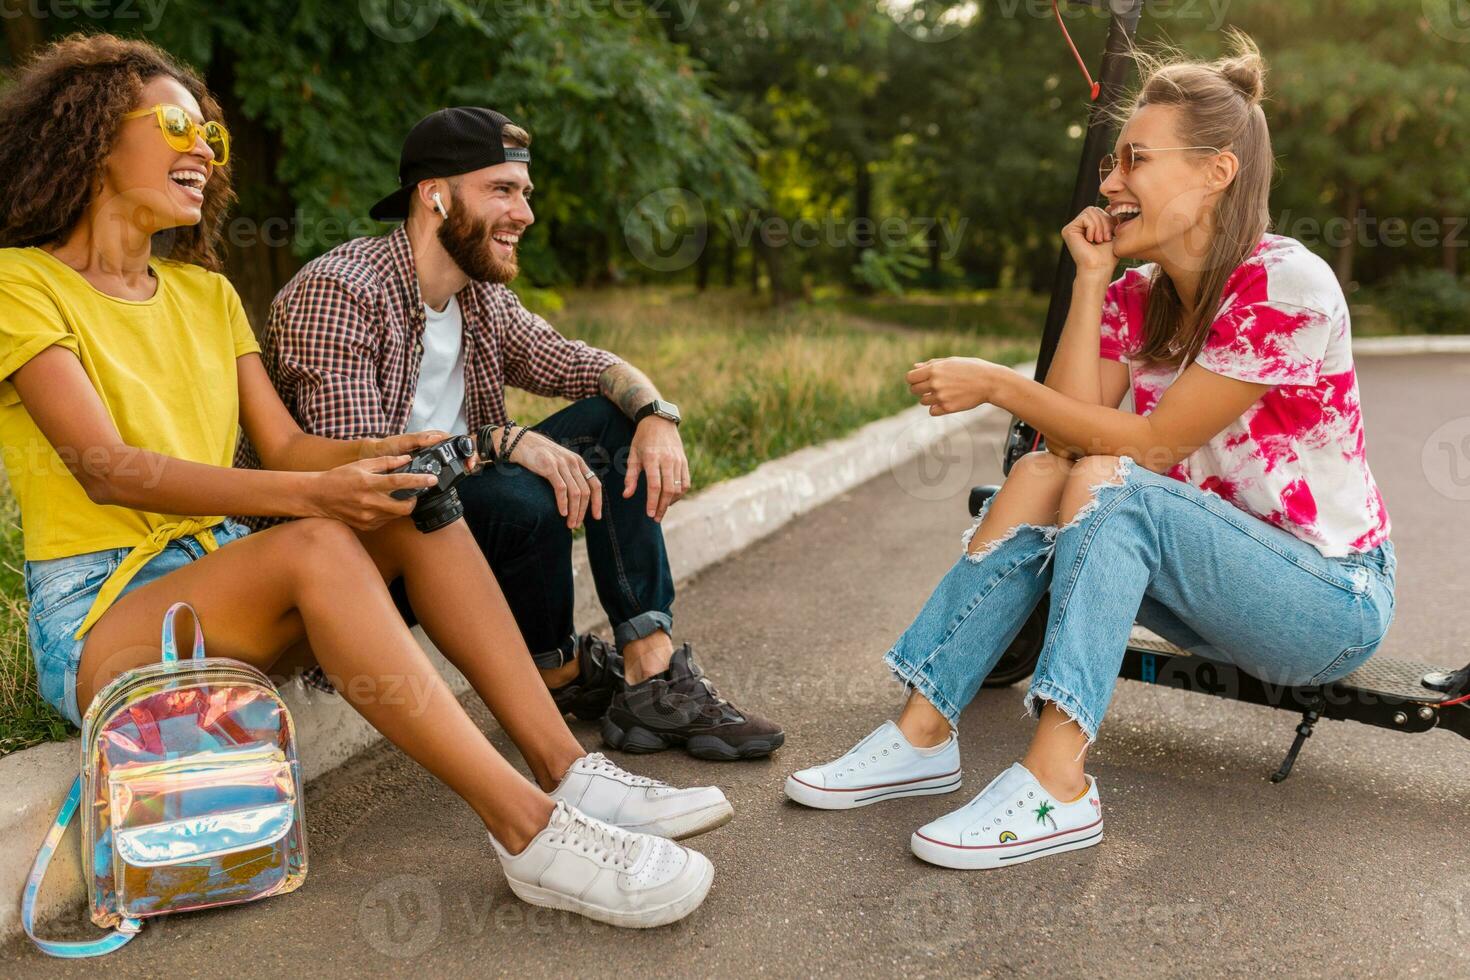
(25, 719)
(754, 384)
(985, 313)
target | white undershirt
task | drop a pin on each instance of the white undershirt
(438, 402)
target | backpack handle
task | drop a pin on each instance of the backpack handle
(170, 646)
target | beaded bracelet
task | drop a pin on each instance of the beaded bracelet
(515, 442)
(505, 439)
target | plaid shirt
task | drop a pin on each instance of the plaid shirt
(345, 341)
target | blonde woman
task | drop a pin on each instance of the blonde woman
(1232, 511)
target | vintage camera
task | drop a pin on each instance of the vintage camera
(438, 505)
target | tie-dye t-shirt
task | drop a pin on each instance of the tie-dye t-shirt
(1296, 458)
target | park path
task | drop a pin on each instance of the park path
(1354, 866)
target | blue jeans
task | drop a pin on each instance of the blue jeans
(1196, 570)
(60, 592)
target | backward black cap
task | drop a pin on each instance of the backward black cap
(442, 144)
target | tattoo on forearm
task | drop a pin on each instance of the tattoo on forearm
(627, 387)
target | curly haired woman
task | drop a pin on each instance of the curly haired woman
(1232, 511)
(125, 377)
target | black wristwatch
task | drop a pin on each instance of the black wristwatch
(661, 408)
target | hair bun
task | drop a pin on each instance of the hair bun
(1245, 69)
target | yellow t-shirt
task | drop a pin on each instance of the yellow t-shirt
(165, 370)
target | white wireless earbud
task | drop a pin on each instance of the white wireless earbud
(439, 206)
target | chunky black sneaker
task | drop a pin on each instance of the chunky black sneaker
(681, 707)
(600, 674)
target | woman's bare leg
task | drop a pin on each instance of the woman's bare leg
(1058, 749)
(1057, 753)
(313, 579)
(1031, 494)
(460, 605)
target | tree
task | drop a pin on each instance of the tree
(321, 94)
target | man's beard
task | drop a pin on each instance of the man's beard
(467, 240)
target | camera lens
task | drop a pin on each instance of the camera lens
(437, 510)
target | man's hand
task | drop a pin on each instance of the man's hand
(954, 384)
(575, 484)
(658, 453)
(406, 444)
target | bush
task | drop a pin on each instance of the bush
(1427, 301)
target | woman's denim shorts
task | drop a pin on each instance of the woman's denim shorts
(61, 592)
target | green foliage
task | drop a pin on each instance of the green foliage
(1367, 107)
(823, 111)
(616, 111)
(886, 271)
(1426, 301)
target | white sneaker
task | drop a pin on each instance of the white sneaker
(583, 865)
(883, 766)
(1012, 821)
(605, 791)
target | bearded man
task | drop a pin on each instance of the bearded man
(418, 331)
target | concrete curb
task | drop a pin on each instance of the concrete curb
(1419, 344)
(924, 454)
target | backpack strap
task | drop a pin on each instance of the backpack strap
(96, 947)
(170, 647)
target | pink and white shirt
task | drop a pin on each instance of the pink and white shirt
(1296, 458)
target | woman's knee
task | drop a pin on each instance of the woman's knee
(1032, 490)
(1041, 465)
(318, 542)
(1088, 475)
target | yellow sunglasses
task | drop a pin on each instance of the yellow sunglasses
(180, 131)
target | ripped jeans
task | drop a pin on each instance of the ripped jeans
(1186, 564)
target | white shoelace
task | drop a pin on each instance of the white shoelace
(602, 841)
(598, 763)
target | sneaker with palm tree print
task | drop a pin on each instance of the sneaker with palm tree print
(1012, 821)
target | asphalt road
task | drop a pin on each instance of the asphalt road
(1357, 865)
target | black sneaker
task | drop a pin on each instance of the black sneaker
(681, 707)
(600, 673)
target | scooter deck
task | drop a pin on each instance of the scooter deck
(1386, 692)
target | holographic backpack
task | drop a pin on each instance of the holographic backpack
(190, 793)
